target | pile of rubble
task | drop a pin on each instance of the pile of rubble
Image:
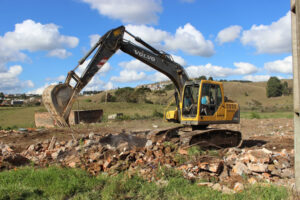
(228, 170)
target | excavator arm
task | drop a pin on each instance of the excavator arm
(58, 99)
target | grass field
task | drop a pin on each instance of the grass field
(23, 117)
(62, 183)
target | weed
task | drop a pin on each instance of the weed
(157, 114)
(254, 115)
(180, 159)
(169, 144)
(195, 151)
(214, 153)
(64, 183)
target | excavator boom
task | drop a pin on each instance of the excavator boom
(59, 99)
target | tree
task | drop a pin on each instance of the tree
(201, 78)
(1, 95)
(274, 87)
(210, 78)
(286, 91)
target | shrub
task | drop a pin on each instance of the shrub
(157, 114)
(274, 87)
(201, 78)
(170, 86)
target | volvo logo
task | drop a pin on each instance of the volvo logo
(143, 55)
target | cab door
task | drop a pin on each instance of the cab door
(211, 101)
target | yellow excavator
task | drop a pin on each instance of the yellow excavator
(198, 103)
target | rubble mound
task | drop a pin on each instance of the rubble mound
(226, 169)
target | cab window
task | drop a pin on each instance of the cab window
(211, 98)
(190, 100)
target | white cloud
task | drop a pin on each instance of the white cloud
(243, 68)
(256, 78)
(190, 40)
(280, 66)
(41, 89)
(94, 39)
(208, 70)
(108, 86)
(274, 38)
(59, 78)
(105, 68)
(33, 36)
(187, 39)
(179, 60)
(219, 71)
(128, 11)
(59, 53)
(127, 76)
(10, 82)
(147, 33)
(229, 34)
(135, 65)
(29, 36)
(13, 72)
(157, 77)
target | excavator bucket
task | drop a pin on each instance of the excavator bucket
(58, 100)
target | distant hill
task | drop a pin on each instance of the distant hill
(249, 95)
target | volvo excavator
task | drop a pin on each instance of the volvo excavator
(198, 103)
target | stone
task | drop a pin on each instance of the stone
(215, 166)
(148, 143)
(52, 143)
(207, 184)
(257, 167)
(182, 151)
(88, 143)
(124, 146)
(167, 150)
(217, 187)
(281, 162)
(287, 173)
(31, 148)
(95, 156)
(257, 156)
(252, 180)
(56, 154)
(92, 136)
(240, 168)
(238, 187)
(114, 116)
(71, 143)
(226, 190)
(72, 164)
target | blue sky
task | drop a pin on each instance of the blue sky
(41, 40)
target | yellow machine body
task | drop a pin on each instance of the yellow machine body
(204, 103)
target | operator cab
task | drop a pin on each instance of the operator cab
(206, 104)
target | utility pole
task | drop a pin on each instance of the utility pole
(295, 15)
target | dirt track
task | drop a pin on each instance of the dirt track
(273, 134)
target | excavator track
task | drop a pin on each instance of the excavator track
(210, 138)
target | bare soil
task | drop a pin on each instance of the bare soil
(273, 134)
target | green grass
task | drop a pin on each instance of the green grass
(62, 183)
(266, 115)
(21, 117)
